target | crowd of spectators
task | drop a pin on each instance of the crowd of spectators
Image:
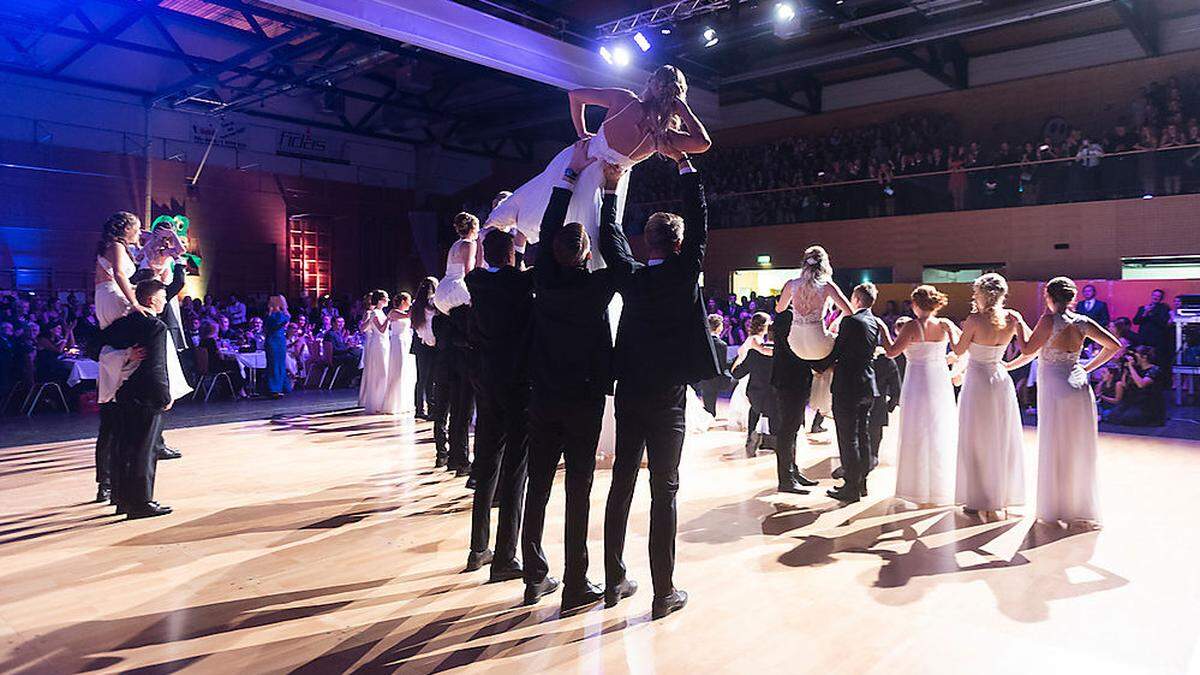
(40, 332)
(920, 163)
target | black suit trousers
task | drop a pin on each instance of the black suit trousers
(789, 404)
(136, 459)
(107, 442)
(852, 422)
(559, 428)
(501, 446)
(649, 419)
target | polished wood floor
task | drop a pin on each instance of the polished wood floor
(326, 544)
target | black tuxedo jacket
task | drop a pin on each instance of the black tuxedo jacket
(854, 357)
(571, 349)
(662, 338)
(147, 386)
(887, 379)
(1097, 313)
(722, 350)
(169, 316)
(501, 305)
(788, 371)
(757, 366)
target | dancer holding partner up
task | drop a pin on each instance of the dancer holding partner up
(634, 128)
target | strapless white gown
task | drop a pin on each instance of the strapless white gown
(372, 390)
(452, 289)
(111, 303)
(991, 455)
(524, 209)
(402, 369)
(1067, 437)
(928, 427)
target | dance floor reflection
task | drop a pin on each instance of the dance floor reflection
(327, 543)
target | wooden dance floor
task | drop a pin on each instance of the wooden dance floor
(326, 543)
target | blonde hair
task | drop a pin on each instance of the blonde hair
(928, 299)
(993, 289)
(1061, 292)
(658, 100)
(277, 303)
(465, 224)
(816, 267)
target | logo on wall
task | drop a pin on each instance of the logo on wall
(227, 133)
(307, 145)
(180, 226)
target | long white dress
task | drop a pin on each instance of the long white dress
(111, 304)
(1067, 435)
(402, 369)
(524, 209)
(991, 455)
(928, 426)
(372, 390)
(452, 289)
(811, 340)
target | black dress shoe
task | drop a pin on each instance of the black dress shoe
(614, 594)
(574, 597)
(169, 453)
(538, 590)
(793, 487)
(146, 510)
(439, 462)
(477, 559)
(838, 473)
(464, 470)
(505, 572)
(844, 494)
(471, 483)
(862, 490)
(668, 604)
(103, 493)
(803, 480)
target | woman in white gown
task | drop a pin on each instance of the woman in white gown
(452, 289)
(928, 429)
(402, 366)
(114, 266)
(991, 454)
(633, 129)
(1066, 406)
(810, 296)
(372, 390)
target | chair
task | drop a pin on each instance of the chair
(209, 378)
(37, 394)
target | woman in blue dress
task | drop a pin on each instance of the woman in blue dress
(275, 328)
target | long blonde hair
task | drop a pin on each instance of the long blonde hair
(658, 100)
(277, 303)
(993, 288)
(816, 268)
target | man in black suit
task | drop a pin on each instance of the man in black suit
(501, 303)
(140, 403)
(887, 380)
(662, 345)
(570, 367)
(1092, 308)
(854, 391)
(170, 318)
(792, 379)
(710, 389)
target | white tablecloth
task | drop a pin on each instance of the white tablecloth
(248, 360)
(82, 370)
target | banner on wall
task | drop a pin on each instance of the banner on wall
(307, 145)
(228, 134)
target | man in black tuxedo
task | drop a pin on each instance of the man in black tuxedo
(501, 302)
(887, 380)
(453, 385)
(662, 345)
(854, 391)
(710, 389)
(170, 318)
(1092, 308)
(570, 367)
(792, 379)
(140, 403)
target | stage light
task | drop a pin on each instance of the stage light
(784, 12)
(1043, 147)
(710, 37)
(665, 30)
(642, 42)
(606, 55)
(621, 56)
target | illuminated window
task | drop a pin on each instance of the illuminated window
(1177, 267)
(310, 252)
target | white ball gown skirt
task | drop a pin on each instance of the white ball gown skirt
(991, 454)
(928, 427)
(1067, 441)
(372, 390)
(810, 340)
(451, 292)
(402, 371)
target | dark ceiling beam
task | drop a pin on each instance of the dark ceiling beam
(67, 79)
(170, 40)
(92, 39)
(103, 39)
(209, 76)
(1141, 18)
(934, 66)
